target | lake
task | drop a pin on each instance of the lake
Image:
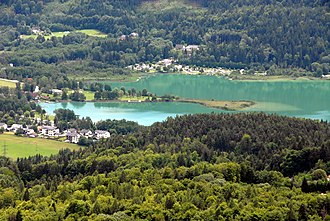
(306, 99)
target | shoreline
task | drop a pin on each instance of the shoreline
(276, 78)
(218, 104)
(248, 78)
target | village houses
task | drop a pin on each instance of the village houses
(72, 135)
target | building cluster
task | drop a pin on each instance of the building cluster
(70, 135)
(170, 65)
(132, 35)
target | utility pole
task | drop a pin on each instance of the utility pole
(36, 148)
(4, 149)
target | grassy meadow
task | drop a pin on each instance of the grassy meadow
(23, 147)
(6, 83)
(93, 33)
(89, 32)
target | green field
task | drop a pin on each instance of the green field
(24, 147)
(5, 83)
(93, 33)
(89, 32)
(89, 95)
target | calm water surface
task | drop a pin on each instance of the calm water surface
(307, 99)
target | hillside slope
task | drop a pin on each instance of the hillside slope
(257, 34)
(199, 167)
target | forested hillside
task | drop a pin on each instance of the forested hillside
(283, 37)
(196, 167)
(193, 167)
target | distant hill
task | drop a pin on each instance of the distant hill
(283, 37)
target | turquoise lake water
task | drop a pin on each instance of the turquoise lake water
(306, 99)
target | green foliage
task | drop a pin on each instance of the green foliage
(14, 104)
(174, 171)
(319, 174)
(118, 126)
(77, 96)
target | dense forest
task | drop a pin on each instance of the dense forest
(195, 167)
(283, 37)
(18, 107)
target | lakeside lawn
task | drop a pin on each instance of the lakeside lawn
(89, 95)
(5, 83)
(23, 147)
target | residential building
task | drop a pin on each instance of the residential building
(3, 126)
(57, 91)
(36, 90)
(166, 62)
(30, 133)
(49, 131)
(71, 130)
(86, 133)
(134, 35)
(73, 137)
(190, 48)
(122, 38)
(99, 134)
(15, 127)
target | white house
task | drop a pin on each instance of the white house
(86, 133)
(134, 35)
(73, 137)
(99, 134)
(30, 133)
(71, 130)
(49, 131)
(3, 126)
(36, 90)
(57, 91)
(190, 48)
(122, 37)
(166, 62)
(15, 127)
